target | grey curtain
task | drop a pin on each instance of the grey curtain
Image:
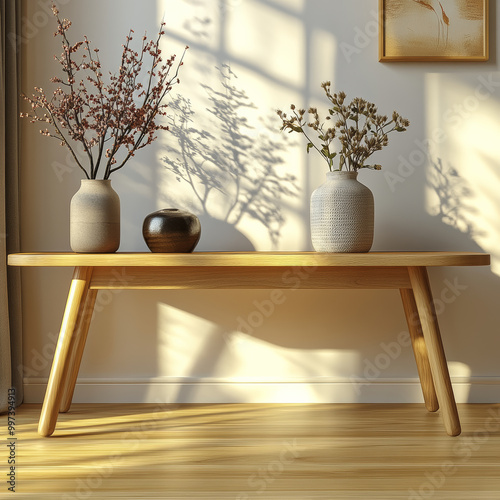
(11, 367)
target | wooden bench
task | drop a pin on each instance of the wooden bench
(406, 271)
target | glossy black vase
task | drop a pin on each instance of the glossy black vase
(171, 231)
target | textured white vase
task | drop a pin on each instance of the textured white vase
(95, 218)
(342, 214)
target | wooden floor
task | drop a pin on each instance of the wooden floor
(250, 451)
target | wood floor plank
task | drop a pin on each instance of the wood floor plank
(252, 451)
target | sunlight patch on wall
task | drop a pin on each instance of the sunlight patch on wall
(324, 46)
(268, 47)
(459, 370)
(462, 150)
(193, 347)
(481, 169)
(461, 376)
(225, 158)
(188, 346)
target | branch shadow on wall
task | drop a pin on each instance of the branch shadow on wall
(455, 204)
(235, 169)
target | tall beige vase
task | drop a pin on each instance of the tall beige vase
(342, 214)
(95, 218)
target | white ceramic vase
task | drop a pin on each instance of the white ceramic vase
(95, 218)
(342, 214)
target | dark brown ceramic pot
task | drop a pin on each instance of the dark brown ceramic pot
(171, 231)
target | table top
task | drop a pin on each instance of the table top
(250, 259)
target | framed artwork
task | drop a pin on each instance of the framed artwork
(433, 30)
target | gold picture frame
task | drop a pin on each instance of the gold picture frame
(433, 30)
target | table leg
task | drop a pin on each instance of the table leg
(75, 357)
(419, 349)
(437, 359)
(58, 373)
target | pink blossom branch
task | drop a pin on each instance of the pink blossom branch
(87, 110)
(147, 129)
(68, 66)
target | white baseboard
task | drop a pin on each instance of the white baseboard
(327, 390)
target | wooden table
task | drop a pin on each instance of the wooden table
(406, 271)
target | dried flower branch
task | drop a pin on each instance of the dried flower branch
(105, 118)
(359, 130)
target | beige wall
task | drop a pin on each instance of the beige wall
(438, 190)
